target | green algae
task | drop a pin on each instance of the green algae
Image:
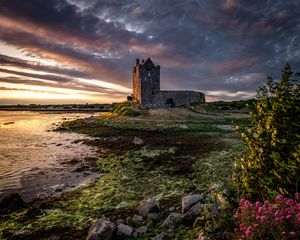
(177, 158)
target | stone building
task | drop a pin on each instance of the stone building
(146, 89)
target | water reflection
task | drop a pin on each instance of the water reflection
(31, 156)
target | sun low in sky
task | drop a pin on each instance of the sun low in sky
(82, 51)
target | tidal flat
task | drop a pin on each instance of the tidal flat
(161, 156)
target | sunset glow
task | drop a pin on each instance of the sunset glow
(84, 50)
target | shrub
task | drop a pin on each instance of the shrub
(280, 220)
(271, 161)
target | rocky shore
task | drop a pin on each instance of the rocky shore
(159, 179)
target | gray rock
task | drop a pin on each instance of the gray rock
(124, 230)
(149, 206)
(188, 201)
(138, 141)
(159, 237)
(101, 230)
(137, 219)
(11, 202)
(141, 231)
(172, 219)
(193, 212)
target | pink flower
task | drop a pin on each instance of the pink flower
(266, 203)
(257, 204)
(290, 201)
(260, 209)
(277, 213)
(256, 225)
(292, 234)
(297, 196)
(241, 227)
(263, 219)
(248, 203)
(283, 233)
(279, 198)
(248, 231)
(289, 217)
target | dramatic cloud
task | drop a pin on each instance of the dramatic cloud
(225, 48)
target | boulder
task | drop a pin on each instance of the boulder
(11, 202)
(138, 141)
(193, 212)
(101, 230)
(188, 201)
(149, 206)
(172, 219)
(124, 230)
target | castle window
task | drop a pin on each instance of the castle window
(149, 74)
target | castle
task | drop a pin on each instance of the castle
(147, 93)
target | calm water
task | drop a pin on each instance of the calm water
(34, 160)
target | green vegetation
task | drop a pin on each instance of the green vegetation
(177, 158)
(126, 109)
(221, 107)
(271, 161)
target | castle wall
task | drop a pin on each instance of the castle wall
(165, 99)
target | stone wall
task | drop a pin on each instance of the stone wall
(166, 99)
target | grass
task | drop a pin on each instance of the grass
(178, 158)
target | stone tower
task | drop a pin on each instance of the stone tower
(146, 82)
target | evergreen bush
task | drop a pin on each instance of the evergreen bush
(271, 161)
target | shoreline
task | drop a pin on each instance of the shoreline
(165, 160)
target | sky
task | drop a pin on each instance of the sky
(83, 51)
